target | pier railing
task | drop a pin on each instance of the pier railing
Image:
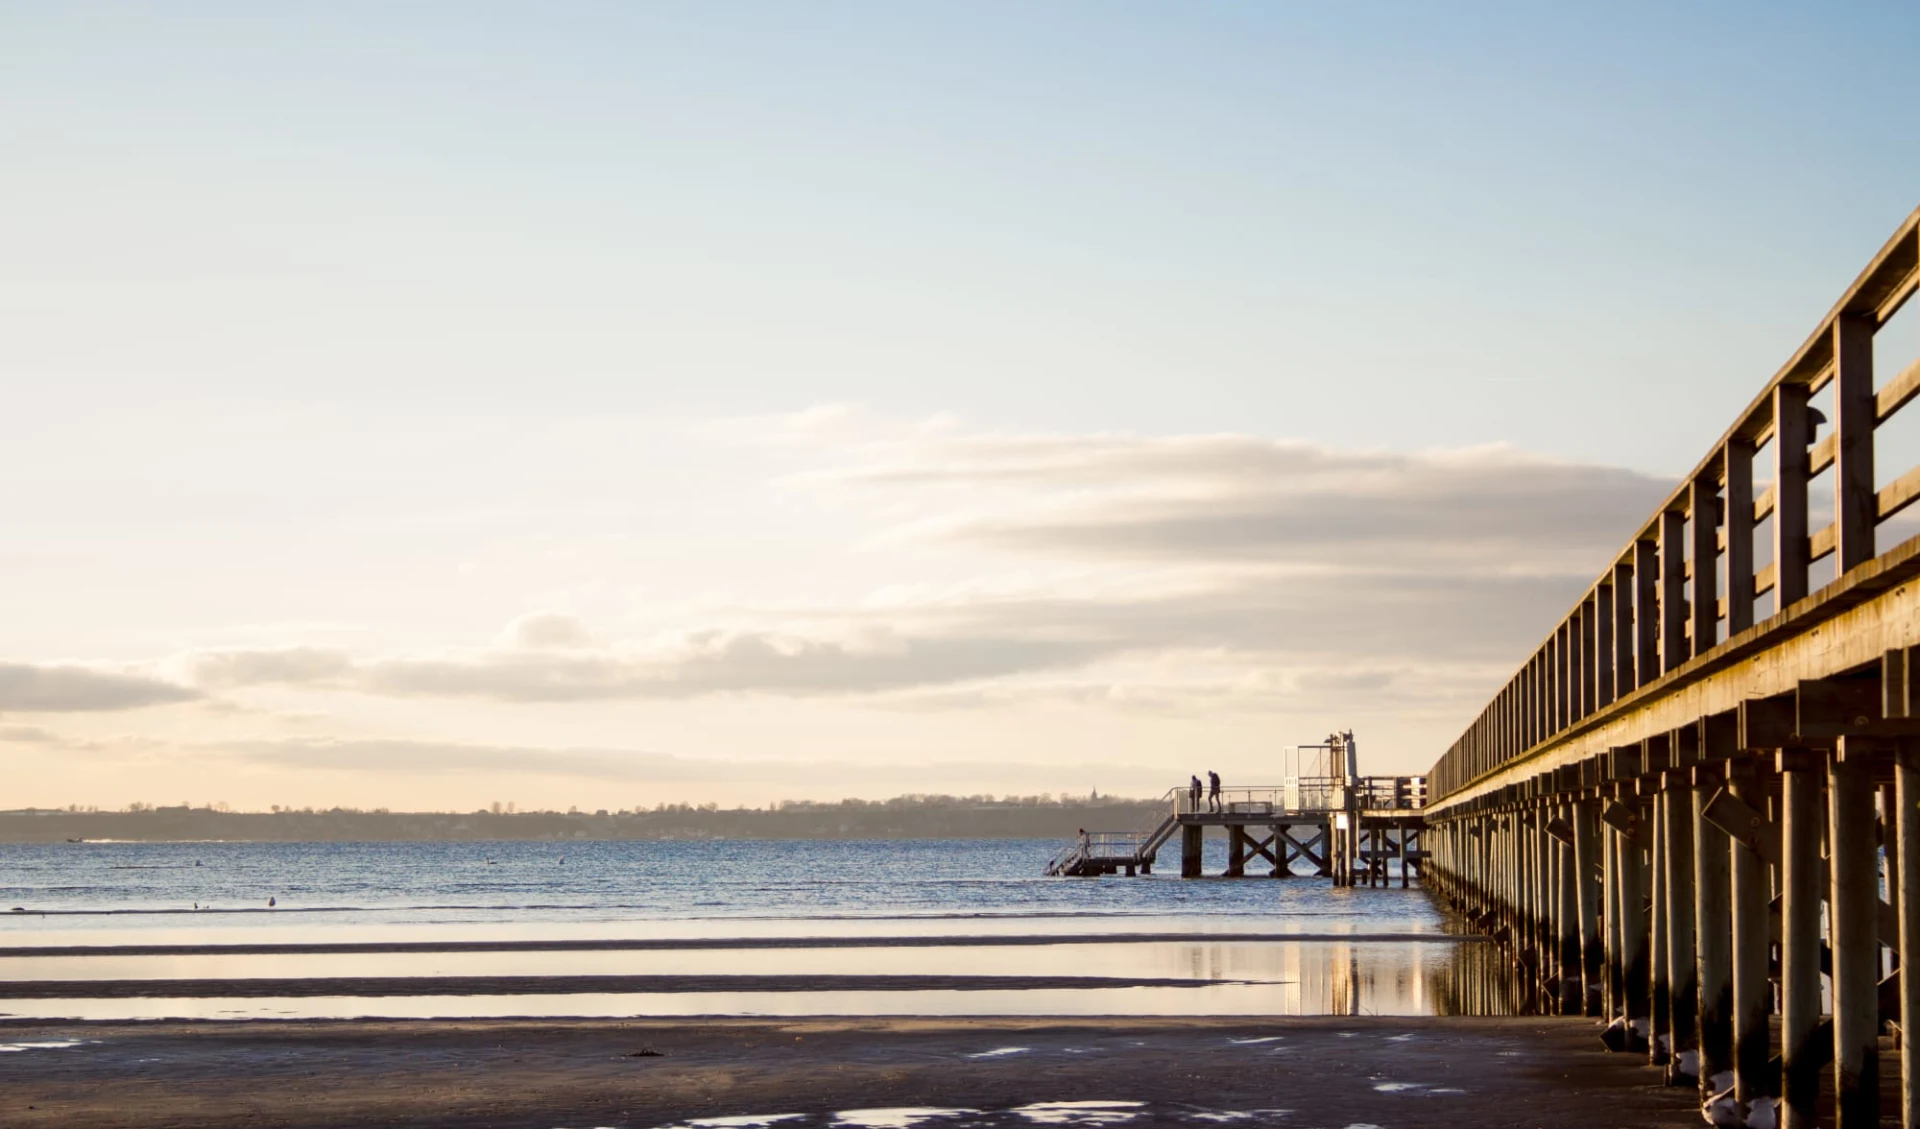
(1311, 795)
(1688, 588)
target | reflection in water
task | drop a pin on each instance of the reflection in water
(1451, 976)
(1479, 980)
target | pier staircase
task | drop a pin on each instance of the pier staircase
(1109, 852)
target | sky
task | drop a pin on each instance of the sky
(430, 405)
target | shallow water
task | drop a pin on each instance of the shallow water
(704, 912)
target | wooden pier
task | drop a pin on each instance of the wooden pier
(1694, 809)
(1349, 829)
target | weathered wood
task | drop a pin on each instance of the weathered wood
(1854, 937)
(1590, 870)
(1737, 458)
(1661, 949)
(1855, 512)
(1604, 655)
(1703, 512)
(1674, 648)
(1683, 973)
(1792, 432)
(1646, 610)
(1800, 947)
(1713, 938)
(1752, 991)
(1907, 850)
(1623, 642)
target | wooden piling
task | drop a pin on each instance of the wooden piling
(1906, 827)
(1660, 1041)
(1683, 1000)
(1802, 1058)
(1587, 867)
(1635, 975)
(1713, 938)
(1854, 935)
(1752, 990)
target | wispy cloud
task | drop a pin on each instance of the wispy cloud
(73, 688)
(1168, 574)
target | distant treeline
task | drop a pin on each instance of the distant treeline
(905, 817)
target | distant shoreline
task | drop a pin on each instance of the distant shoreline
(905, 818)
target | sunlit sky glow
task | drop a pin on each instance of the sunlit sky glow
(427, 405)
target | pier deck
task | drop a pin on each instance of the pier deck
(1352, 831)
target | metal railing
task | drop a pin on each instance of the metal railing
(1311, 795)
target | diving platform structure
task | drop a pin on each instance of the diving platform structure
(1345, 826)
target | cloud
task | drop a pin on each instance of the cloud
(715, 662)
(28, 735)
(1157, 573)
(436, 758)
(545, 631)
(221, 669)
(1235, 498)
(69, 688)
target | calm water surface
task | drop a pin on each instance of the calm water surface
(979, 909)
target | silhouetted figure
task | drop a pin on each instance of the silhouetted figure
(1086, 847)
(1193, 795)
(1213, 790)
(271, 903)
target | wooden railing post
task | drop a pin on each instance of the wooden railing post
(1673, 591)
(1623, 673)
(1855, 510)
(1646, 611)
(1737, 460)
(1562, 680)
(1703, 507)
(1603, 652)
(1791, 434)
(1589, 670)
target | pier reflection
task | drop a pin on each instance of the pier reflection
(1436, 974)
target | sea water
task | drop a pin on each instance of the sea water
(687, 919)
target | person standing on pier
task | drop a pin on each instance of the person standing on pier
(1213, 790)
(1193, 794)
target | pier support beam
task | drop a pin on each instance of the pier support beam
(1192, 839)
(1683, 976)
(1906, 826)
(1567, 921)
(1855, 940)
(1713, 939)
(1660, 1041)
(1587, 866)
(1752, 990)
(1635, 976)
(1800, 894)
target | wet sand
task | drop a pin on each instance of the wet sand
(674, 944)
(1338, 1072)
(423, 986)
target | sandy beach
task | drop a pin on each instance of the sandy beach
(1341, 1072)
